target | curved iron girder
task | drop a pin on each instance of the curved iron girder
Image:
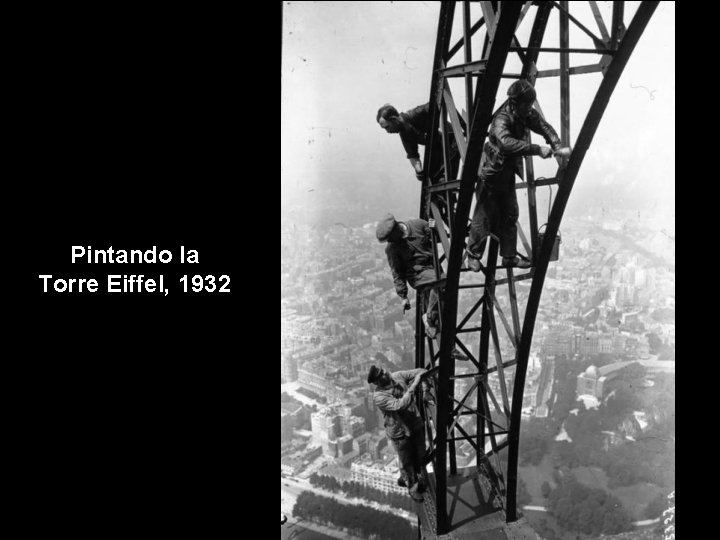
(482, 115)
(566, 180)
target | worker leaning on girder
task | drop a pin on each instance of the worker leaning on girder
(410, 256)
(496, 209)
(413, 126)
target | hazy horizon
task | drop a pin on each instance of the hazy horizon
(343, 60)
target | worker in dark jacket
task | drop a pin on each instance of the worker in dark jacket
(410, 256)
(413, 126)
(404, 426)
(496, 209)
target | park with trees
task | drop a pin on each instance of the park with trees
(623, 450)
(356, 489)
(358, 520)
(580, 508)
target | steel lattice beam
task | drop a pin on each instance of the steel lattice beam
(503, 33)
(448, 200)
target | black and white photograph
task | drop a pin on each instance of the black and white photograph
(477, 270)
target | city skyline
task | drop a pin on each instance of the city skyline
(606, 306)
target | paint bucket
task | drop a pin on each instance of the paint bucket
(555, 252)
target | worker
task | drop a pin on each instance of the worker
(496, 208)
(413, 126)
(404, 426)
(410, 256)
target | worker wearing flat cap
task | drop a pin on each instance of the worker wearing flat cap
(393, 395)
(410, 256)
(497, 208)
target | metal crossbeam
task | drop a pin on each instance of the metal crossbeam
(599, 20)
(563, 50)
(578, 70)
(494, 304)
(478, 66)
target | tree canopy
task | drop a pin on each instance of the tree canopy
(358, 519)
(580, 508)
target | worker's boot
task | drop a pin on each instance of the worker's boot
(421, 484)
(414, 493)
(430, 329)
(473, 262)
(455, 354)
(516, 262)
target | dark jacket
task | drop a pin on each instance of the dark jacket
(398, 406)
(409, 257)
(504, 148)
(416, 129)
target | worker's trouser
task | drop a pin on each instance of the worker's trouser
(411, 451)
(437, 170)
(437, 165)
(429, 297)
(496, 211)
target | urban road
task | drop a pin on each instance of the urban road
(642, 523)
(296, 528)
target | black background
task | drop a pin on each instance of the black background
(146, 414)
(138, 412)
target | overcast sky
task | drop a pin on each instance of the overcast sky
(343, 60)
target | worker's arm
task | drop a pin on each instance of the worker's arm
(411, 148)
(423, 225)
(413, 154)
(509, 145)
(538, 124)
(411, 377)
(501, 129)
(398, 270)
(427, 228)
(386, 402)
(417, 167)
(415, 119)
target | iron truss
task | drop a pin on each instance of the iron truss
(490, 316)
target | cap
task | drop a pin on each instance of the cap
(385, 227)
(522, 90)
(373, 373)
